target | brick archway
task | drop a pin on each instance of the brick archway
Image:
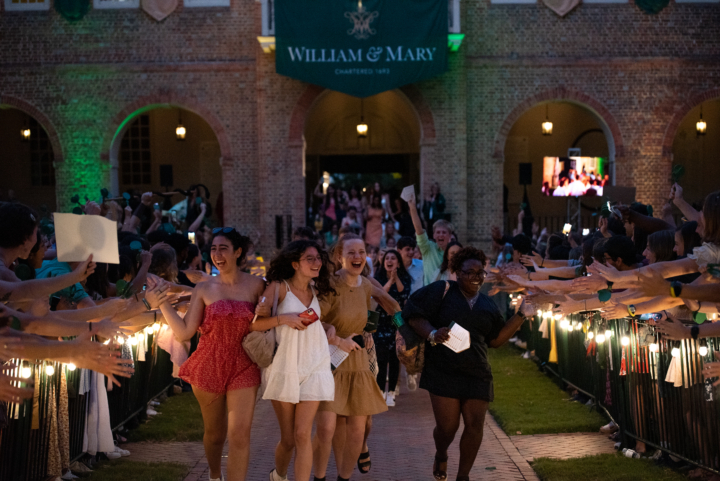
(566, 95)
(114, 133)
(41, 118)
(680, 113)
(410, 92)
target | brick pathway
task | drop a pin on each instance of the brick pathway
(401, 446)
(562, 446)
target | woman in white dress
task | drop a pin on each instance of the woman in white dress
(299, 377)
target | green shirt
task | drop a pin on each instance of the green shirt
(432, 257)
(55, 268)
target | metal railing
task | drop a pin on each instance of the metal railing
(625, 375)
(28, 436)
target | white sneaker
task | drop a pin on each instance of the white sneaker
(221, 478)
(151, 412)
(526, 355)
(274, 476)
(513, 339)
(68, 476)
(113, 455)
(609, 428)
(123, 452)
(397, 390)
(154, 403)
(412, 382)
(390, 399)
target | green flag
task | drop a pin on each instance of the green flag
(361, 48)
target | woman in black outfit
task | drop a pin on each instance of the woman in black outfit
(459, 383)
(397, 282)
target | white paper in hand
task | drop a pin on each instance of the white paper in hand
(459, 338)
(407, 193)
(337, 356)
(78, 236)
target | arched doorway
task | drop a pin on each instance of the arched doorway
(697, 152)
(337, 154)
(528, 162)
(146, 154)
(27, 160)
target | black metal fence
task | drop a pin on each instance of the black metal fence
(652, 388)
(32, 427)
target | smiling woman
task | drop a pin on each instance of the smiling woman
(224, 378)
(459, 382)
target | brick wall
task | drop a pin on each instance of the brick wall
(638, 72)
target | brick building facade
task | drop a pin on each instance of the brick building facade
(640, 73)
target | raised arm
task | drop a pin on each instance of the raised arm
(40, 288)
(512, 325)
(417, 223)
(185, 328)
(676, 194)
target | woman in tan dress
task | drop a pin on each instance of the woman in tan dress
(341, 422)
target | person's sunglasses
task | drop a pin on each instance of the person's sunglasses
(224, 230)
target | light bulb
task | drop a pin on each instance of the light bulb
(564, 324)
(49, 370)
(703, 350)
(133, 341)
(148, 330)
(26, 372)
(548, 314)
(675, 352)
(570, 328)
(107, 342)
(600, 338)
(71, 367)
(558, 317)
(608, 334)
(591, 335)
(156, 327)
(120, 340)
(654, 347)
(625, 341)
(539, 312)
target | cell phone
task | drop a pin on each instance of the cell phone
(653, 316)
(157, 206)
(191, 237)
(359, 340)
(309, 316)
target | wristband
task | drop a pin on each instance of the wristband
(631, 310)
(675, 288)
(610, 285)
(695, 332)
(431, 338)
(147, 304)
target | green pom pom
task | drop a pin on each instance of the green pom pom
(77, 210)
(604, 295)
(136, 245)
(126, 196)
(75, 199)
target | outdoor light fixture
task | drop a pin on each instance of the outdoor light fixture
(591, 334)
(703, 349)
(600, 338)
(71, 367)
(26, 372)
(608, 333)
(180, 130)
(701, 125)
(547, 126)
(675, 352)
(25, 133)
(49, 370)
(625, 341)
(654, 347)
(362, 128)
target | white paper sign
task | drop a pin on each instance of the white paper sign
(78, 236)
(407, 193)
(459, 338)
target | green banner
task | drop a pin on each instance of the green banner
(361, 48)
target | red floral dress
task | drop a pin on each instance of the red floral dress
(220, 363)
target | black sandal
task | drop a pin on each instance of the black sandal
(364, 463)
(440, 472)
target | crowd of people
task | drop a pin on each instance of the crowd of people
(325, 310)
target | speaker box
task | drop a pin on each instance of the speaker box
(525, 173)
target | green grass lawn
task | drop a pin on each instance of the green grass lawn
(528, 401)
(180, 419)
(123, 470)
(603, 467)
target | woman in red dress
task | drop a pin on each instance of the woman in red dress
(224, 379)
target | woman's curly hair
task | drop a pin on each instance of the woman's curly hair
(281, 267)
(466, 254)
